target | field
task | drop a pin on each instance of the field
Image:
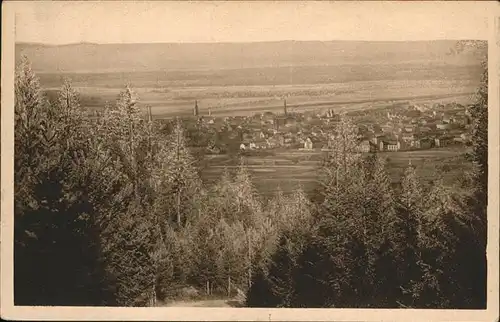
(289, 169)
(228, 100)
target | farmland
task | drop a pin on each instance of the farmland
(288, 169)
(247, 100)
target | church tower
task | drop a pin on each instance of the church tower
(195, 111)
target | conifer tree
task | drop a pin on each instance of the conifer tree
(248, 205)
(473, 238)
(479, 155)
(56, 243)
(132, 243)
(181, 183)
(410, 209)
(379, 232)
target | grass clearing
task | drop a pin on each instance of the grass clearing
(290, 169)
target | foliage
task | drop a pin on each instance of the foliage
(56, 248)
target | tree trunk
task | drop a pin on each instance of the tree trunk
(178, 171)
(179, 208)
(249, 263)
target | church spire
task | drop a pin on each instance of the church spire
(195, 112)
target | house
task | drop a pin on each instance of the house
(420, 143)
(290, 121)
(443, 126)
(376, 138)
(442, 141)
(308, 145)
(330, 113)
(387, 128)
(415, 144)
(389, 145)
(252, 146)
(263, 145)
(425, 143)
(408, 137)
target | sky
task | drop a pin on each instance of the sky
(245, 21)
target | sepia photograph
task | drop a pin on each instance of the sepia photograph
(250, 155)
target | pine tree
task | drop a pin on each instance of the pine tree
(56, 243)
(410, 209)
(249, 207)
(28, 136)
(131, 238)
(479, 155)
(181, 183)
(337, 217)
(473, 239)
(379, 232)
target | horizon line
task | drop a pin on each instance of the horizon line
(239, 42)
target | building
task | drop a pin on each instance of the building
(308, 145)
(389, 146)
(425, 143)
(442, 141)
(443, 126)
(376, 139)
(387, 128)
(195, 110)
(407, 138)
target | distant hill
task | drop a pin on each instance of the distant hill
(88, 57)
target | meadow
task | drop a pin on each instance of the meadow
(287, 170)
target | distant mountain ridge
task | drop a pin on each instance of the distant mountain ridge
(91, 57)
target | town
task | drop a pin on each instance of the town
(390, 129)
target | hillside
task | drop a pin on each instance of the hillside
(87, 57)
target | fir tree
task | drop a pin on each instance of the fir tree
(56, 253)
(181, 183)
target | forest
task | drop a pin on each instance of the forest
(111, 211)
